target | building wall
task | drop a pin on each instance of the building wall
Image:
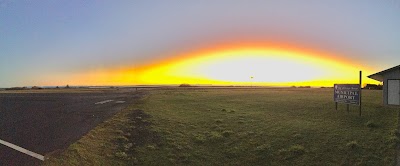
(394, 74)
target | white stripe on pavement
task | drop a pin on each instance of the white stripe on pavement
(103, 102)
(22, 150)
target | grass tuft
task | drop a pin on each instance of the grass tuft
(199, 138)
(297, 149)
(264, 149)
(215, 136)
(394, 132)
(227, 133)
(233, 152)
(128, 146)
(292, 152)
(371, 124)
(121, 155)
(352, 145)
(151, 147)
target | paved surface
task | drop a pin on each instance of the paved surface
(46, 122)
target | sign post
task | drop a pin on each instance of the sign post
(360, 90)
(335, 105)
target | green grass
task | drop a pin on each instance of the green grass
(106, 144)
(250, 127)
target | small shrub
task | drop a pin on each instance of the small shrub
(218, 120)
(223, 110)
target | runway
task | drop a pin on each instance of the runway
(45, 122)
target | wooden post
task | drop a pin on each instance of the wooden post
(336, 106)
(360, 91)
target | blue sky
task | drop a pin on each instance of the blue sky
(41, 39)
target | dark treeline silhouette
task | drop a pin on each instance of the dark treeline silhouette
(184, 85)
(17, 88)
(373, 86)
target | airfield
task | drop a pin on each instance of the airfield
(194, 126)
(49, 120)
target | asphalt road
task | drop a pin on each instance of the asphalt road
(46, 122)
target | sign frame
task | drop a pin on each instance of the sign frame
(347, 93)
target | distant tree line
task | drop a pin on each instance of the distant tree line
(373, 87)
(17, 88)
(33, 87)
(301, 87)
(184, 85)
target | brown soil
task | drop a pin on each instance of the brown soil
(139, 133)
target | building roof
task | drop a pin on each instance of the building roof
(379, 76)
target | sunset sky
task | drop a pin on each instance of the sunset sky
(225, 42)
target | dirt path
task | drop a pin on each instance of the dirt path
(139, 133)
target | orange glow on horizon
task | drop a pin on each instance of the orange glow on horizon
(243, 64)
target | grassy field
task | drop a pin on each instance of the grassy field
(185, 126)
